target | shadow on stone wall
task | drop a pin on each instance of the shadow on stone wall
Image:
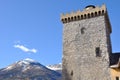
(65, 75)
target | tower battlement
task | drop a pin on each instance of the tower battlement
(88, 12)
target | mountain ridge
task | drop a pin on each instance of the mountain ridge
(28, 69)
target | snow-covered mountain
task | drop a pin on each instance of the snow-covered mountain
(24, 64)
(55, 67)
(28, 69)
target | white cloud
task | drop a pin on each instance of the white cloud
(33, 50)
(25, 49)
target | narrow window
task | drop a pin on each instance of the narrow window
(117, 78)
(82, 30)
(71, 73)
(98, 54)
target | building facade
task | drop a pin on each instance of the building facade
(115, 66)
(86, 44)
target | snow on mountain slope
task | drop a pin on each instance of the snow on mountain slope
(28, 69)
(24, 64)
(55, 66)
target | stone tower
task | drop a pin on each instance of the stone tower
(86, 44)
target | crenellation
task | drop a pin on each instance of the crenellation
(85, 14)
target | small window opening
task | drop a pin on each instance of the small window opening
(117, 78)
(82, 30)
(98, 54)
(71, 73)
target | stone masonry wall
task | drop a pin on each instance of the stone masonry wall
(80, 40)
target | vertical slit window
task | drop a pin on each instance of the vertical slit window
(71, 73)
(98, 53)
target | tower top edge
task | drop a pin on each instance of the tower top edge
(87, 10)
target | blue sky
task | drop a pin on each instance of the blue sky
(32, 28)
